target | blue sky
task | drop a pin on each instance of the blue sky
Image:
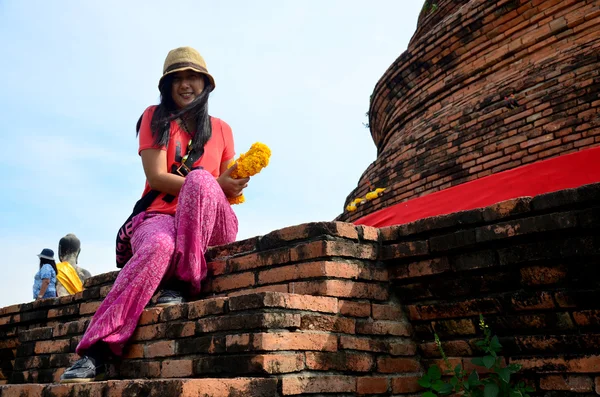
(77, 75)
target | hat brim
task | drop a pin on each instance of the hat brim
(208, 75)
(45, 256)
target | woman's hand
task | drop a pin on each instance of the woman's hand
(232, 187)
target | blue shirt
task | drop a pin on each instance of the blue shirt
(45, 272)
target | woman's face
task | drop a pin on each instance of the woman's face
(187, 85)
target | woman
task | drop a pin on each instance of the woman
(44, 282)
(192, 212)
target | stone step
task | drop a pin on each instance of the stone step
(256, 334)
(258, 387)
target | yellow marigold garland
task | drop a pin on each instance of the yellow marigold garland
(250, 164)
(353, 206)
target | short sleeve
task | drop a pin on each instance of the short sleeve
(228, 148)
(46, 272)
(145, 134)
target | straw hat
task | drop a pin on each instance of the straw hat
(185, 58)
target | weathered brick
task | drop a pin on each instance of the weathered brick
(36, 334)
(250, 364)
(180, 330)
(176, 368)
(372, 385)
(577, 384)
(405, 384)
(306, 231)
(454, 348)
(585, 364)
(149, 332)
(320, 322)
(421, 268)
(159, 349)
(395, 328)
(451, 241)
(248, 322)
(543, 275)
(519, 227)
(397, 365)
(339, 361)
(393, 346)
(88, 307)
(231, 249)
(532, 301)
(276, 341)
(454, 327)
(135, 350)
(204, 344)
(329, 269)
(471, 307)
(318, 384)
(341, 289)
(587, 318)
(175, 312)
(139, 369)
(474, 260)
(507, 208)
(150, 316)
(387, 312)
(404, 250)
(229, 282)
(354, 309)
(52, 346)
(206, 307)
(321, 249)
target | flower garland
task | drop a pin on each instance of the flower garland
(353, 206)
(250, 164)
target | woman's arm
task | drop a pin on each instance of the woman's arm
(158, 176)
(43, 288)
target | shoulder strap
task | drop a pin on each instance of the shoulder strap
(187, 162)
(186, 166)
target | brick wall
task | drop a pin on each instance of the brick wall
(349, 310)
(528, 265)
(439, 118)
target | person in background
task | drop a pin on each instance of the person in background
(44, 284)
(70, 276)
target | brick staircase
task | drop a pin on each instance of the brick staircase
(337, 309)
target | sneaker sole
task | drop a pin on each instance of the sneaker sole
(84, 380)
(168, 304)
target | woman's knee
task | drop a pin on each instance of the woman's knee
(160, 243)
(199, 178)
(203, 182)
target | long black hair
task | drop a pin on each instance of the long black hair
(167, 111)
(51, 262)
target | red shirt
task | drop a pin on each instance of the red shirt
(217, 150)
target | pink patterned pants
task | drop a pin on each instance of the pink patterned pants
(165, 248)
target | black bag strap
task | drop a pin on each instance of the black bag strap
(186, 166)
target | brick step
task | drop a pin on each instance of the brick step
(258, 387)
(266, 333)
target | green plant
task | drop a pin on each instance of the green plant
(496, 383)
(429, 7)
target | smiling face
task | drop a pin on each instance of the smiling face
(187, 85)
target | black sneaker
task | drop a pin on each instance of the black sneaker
(84, 370)
(169, 297)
